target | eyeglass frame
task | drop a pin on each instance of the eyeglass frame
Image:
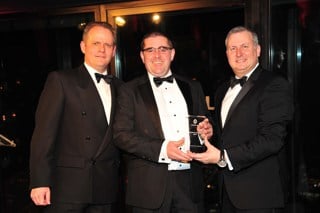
(161, 49)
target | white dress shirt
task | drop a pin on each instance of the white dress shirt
(103, 90)
(226, 103)
(173, 114)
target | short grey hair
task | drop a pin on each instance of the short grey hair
(242, 29)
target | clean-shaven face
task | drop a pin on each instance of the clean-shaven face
(157, 60)
(242, 52)
(98, 48)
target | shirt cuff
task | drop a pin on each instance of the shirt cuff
(163, 157)
(227, 159)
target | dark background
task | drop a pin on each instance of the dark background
(33, 44)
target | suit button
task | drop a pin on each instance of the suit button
(88, 138)
(93, 161)
(83, 113)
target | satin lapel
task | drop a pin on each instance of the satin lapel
(108, 136)
(245, 89)
(219, 100)
(113, 101)
(91, 102)
(151, 106)
(186, 91)
(89, 95)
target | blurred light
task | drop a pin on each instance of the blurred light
(82, 25)
(299, 54)
(156, 18)
(120, 21)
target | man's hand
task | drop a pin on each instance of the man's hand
(211, 155)
(174, 151)
(40, 196)
(205, 130)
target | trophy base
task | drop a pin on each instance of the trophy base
(198, 148)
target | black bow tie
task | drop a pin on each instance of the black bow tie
(107, 78)
(158, 81)
(234, 81)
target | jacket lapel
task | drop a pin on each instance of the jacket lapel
(88, 94)
(186, 92)
(150, 104)
(245, 89)
(108, 136)
(218, 102)
(92, 103)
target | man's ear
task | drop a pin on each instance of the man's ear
(258, 50)
(142, 56)
(83, 47)
(173, 52)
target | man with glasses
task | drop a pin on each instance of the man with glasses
(152, 127)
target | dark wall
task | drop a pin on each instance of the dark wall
(13, 6)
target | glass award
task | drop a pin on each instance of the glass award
(195, 141)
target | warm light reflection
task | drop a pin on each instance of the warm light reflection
(120, 21)
(156, 18)
(82, 25)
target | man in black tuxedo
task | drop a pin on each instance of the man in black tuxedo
(252, 112)
(152, 128)
(74, 165)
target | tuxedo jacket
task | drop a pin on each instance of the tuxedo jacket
(254, 138)
(72, 150)
(138, 132)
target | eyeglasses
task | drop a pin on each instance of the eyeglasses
(160, 49)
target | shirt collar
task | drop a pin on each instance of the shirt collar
(150, 76)
(92, 71)
(249, 73)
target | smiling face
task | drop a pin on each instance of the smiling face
(157, 55)
(242, 52)
(98, 48)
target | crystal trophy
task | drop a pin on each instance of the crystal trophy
(195, 144)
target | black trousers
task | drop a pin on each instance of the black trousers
(178, 197)
(228, 207)
(79, 208)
